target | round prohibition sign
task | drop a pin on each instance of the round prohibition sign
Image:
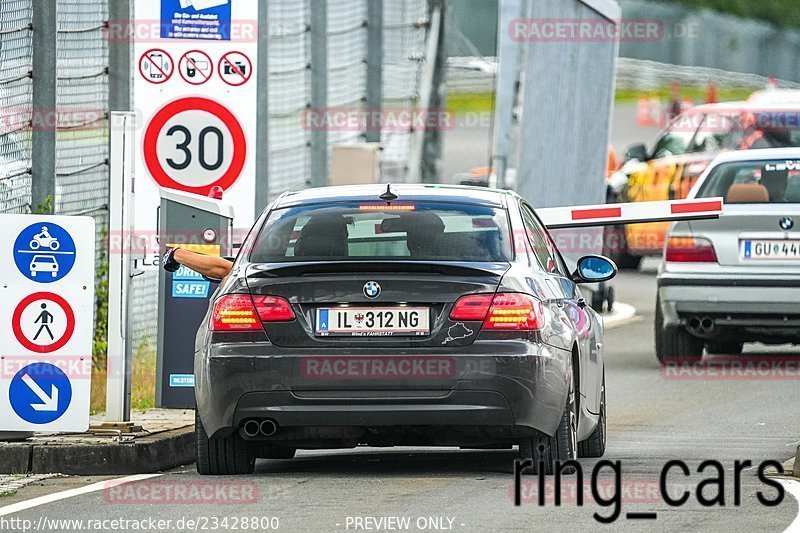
(156, 66)
(189, 143)
(235, 69)
(43, 322)
(196, 67)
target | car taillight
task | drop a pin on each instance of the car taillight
(273, 309)
(472, 308)
(235, 312)
(241, 312)
(503, 311)
(690, 250)
(516, 312)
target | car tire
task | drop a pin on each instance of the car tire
(611, 297)
(561, 447)
(727, 347)
(222, 456)
(627, 261)
(595, 445)
(615, 247)
(598, 299)
(270, 451)
(675, 344)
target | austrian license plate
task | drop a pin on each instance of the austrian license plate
(770, 249)
(373, 321)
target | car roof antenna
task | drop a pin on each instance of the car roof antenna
(388, 196)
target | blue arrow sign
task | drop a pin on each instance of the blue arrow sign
(40, 393)
(44, 252)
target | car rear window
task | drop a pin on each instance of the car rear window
(420, 231)
(753, 182)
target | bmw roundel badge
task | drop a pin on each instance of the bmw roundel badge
(787, 223)
(372, 290)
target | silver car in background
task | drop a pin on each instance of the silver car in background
(725, 282)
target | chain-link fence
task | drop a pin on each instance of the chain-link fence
(82, 110)
(82, 102)
(16, 105)
(405, 26)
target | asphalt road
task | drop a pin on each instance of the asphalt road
(651, 420)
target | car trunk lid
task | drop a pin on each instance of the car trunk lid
(430, 287)
(753, 235)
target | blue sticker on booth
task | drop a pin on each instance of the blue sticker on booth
(181, 380)
(190, 289)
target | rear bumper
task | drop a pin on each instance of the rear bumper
(520, 386)
(733, 302)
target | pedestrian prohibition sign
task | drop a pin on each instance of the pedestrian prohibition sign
(40, 393)
(43, 322)
(194, 144)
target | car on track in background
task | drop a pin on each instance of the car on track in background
(413, 315)
(668, 168)
(775, 96)
(737, 279)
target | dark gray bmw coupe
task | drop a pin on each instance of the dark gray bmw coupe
(414, 315)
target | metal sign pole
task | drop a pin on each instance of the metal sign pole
(119, 269)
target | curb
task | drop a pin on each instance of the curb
(621, 315)
(789, 468)
(153, 453)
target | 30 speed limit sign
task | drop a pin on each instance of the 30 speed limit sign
(194, 144)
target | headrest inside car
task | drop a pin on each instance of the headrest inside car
(747, 193)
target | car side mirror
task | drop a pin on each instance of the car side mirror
(594, 269)
(636, 151)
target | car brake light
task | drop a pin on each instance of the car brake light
(273, 309)
(515, 311)
(241, 312)
(690, 250)
(472, 308)
(235, 312)
(502, 311)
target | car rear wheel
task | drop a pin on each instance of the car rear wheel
(560, 447)
(726, 347)
(675, 344)
(270, 451)
(595, 445)
(224, 455)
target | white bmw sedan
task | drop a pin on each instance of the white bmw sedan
(725, 282)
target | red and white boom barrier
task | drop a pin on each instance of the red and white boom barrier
(630, 213)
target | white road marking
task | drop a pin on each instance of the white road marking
(50, 498)
(793, 488)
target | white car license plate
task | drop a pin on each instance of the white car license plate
(770, 249)
(373, 321)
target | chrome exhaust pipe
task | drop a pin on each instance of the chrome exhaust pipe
(250, 428)
(693, 325)
(268, 427)
(703, 327)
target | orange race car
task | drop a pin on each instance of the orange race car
(668, 168)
